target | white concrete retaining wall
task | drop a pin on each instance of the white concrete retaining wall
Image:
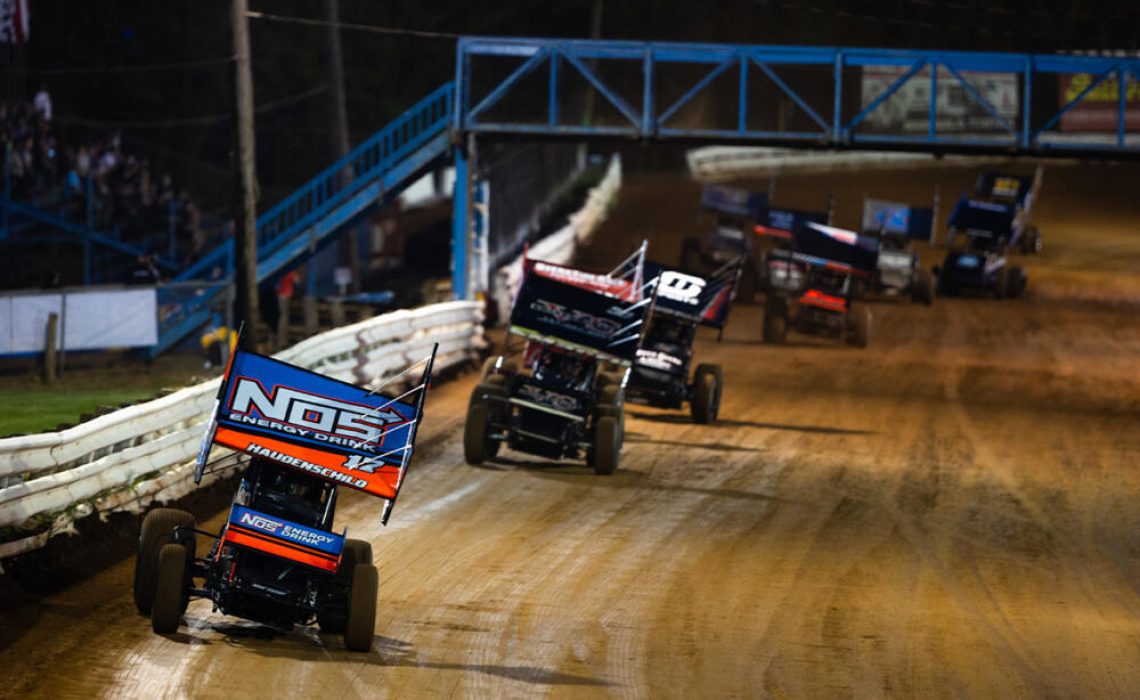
(143, 454)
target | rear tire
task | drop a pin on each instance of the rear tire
(775, 320)
(923, 289)
(171, 593)
(860, 335)
(157, 530)
(475, 435)
(607, 445)
(355, 552)
(361, 625)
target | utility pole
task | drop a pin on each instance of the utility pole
(245, 195)
(595, 33)
(338, 118)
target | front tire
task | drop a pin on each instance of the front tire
(708, 383)
(1016, 283)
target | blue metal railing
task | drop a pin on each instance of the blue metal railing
(832, 105)
(339, 181)
(381, 162)
(104, 245)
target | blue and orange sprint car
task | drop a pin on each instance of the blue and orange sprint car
(277, 560)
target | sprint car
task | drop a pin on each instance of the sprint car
(277, 559)
(831, 259)
(1018, 193)
(581, 332)
(984, 229)
(740, 214)
(780, 273)
(897, 268)
(660, 376)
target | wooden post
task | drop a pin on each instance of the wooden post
(245, 223)
(50, 341)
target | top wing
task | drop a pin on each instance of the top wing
(783, 223)
(579, 319)
(733, 201)
(903, 219)
(836, 248)
(704, 300)
(328, 428)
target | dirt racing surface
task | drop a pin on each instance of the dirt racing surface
(951, 512)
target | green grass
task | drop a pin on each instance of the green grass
(39, 409)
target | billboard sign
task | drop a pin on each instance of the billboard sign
(907, 110)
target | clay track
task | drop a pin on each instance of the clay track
(951, 512)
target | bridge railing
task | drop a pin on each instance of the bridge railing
(941, 101)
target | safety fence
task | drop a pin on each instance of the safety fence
(559, 247)
(527, 182)
(143, 454)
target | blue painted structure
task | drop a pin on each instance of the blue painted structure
(370, 175)
(648, 102)
(645, 114)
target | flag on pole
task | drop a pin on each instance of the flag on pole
(15, 21)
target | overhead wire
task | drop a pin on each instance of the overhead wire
(203, 120)
(88, 70)
(371, 28)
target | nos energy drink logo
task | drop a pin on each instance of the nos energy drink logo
(285, 530)
(308, 415)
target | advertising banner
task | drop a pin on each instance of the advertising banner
(907, 110)
(1099, 110)
(88, 320)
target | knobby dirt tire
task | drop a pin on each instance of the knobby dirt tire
(607, 445)
(157, 530)
(171, 591)
(361, 625)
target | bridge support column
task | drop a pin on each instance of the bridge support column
(462, 217)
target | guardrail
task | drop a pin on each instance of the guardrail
(143, 454)
(727, 162)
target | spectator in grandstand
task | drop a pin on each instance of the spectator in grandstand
(42, 104)
(124, 190)
(144, 272)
